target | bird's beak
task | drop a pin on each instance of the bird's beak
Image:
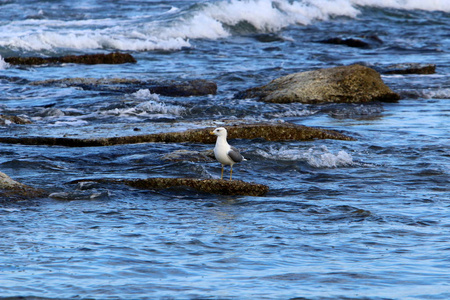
(211, 132)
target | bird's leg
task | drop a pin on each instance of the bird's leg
(221, 176)
(231, 171)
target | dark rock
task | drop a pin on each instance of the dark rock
(12, 190)
(409, 68)
(267, 131)
(348, 42)
(212, 186)
(196, 87)
(89, 59)
(364, 42)
(346, 84)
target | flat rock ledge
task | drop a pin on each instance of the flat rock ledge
(171, 88)
(88, 59)
(12, 190)
(210, 186)
(346, 84)
(409, 68)
(268, 132)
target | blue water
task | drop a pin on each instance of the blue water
(364, 219)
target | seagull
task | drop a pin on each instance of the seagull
(224, 153)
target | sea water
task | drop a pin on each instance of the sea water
(364, 219)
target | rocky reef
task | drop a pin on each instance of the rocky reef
(88, 59)
(266, 131)
(346, 84)
(212, 186)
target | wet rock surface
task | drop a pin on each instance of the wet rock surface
(409, 68)
(11, 190)
(268, 132)
(365, 42)
(212, 186)
(88, 59)
(346, 84)
(195, 87)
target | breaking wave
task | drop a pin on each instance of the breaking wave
(173, 29)
(317, 157)
(149, 108)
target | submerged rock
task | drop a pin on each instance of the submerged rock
(196, 87)
(363, 42)
(266, 131)
(7, 120)
(12, 190)
(409, 68)
(212, 186)
(89, 59)
(347, 84)
(189, 155)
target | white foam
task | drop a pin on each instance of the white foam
(317, 157)
(3, 64)
(173, 29)
(428, 5)
(436, 93)
(148, 108)
(145, 94)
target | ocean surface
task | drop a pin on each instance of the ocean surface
(364, 219)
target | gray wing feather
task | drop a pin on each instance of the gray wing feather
(235, 155)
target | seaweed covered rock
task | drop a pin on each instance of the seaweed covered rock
(88, 59)
(266, 131)
(346, 84)
(212, 186)
(409, 68)
(12, 190)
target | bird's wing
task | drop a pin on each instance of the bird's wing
(234, 154)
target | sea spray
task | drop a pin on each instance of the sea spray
(317, 157)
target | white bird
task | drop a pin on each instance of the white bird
(227, 155)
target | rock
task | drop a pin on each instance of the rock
(347, 84)
(212, 186)
(89, 59)
(7, 120)
(409, 68)
(188, 155)
(266, 131)
(196, 87)
(12, 190)
(366, 42)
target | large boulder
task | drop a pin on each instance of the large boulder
(346, 84)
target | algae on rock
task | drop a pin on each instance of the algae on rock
(266, 131)
(346, 84)
(211, 186)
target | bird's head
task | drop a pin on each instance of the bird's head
(220, 131)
